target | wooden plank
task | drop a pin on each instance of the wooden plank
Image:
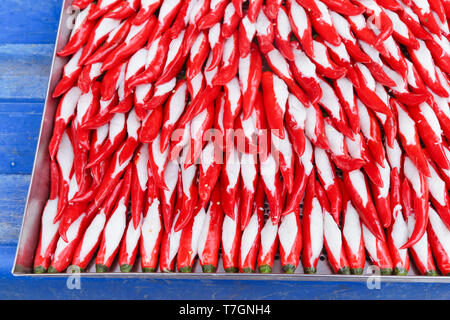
(19, 131)
(28, 21)
(13, 193)
(24, 71)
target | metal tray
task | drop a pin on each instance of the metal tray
(39, 190)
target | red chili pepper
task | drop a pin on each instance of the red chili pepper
(352, 234)
(81, 4)
(64, 250)
(312, 228)
(90, 240)
(216, 43)
(437, 234)
(328, 178)
(151, 234)
(343, 28)
(237, 5)
(101, 8)
(114, 227)
(323, 25)
(116, 135)
(272, 186)
(129, 246)
(338, 149)
(294, 198)
(438, 49)
(334, 246)
(409, 137)
(371, 131)
(190, 193)
(425, 15)
(170, 242)
(431, 133)
(189, 241)
(124, 10)
(139, 184)
(147, 8)
(301, 25)
(231, 239)
(381, 195)
(98, 35)
(180, 138)
(423, 61)
(344, 7)
(197, 56)
(71, 73)
(378, 252)
(151, 125)
(413, 23)
(268, 246)
(356, 185)
(283, 151)
(155, 61)
(172, 111)
(249, 78)
(65, 160)
(275, 96)
(401, 33)
(48, 235)
(420, 198)
(421, 251)
(82, 29)
(249, 174)
(324, 65)
(200, 125)
(135, 39)
(89, 73)
(251, 234)
(210, 235)
(231, 20)
(230, 181)
(210, 168)
(215, 14)
(290, 239)
(64, 114)
(363, 32)
(175, 60)
(401, 90)
(115, 38)
(382, 19)
(397, 233)
(172, 177)
(167, 13)
(247, 30)
(264, 32)
(230, 61)
(295, 118)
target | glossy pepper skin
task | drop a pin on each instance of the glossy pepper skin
(268, 247)
(135, 39)
(151, 234)
(251, 234)
(189, 241)
(352, 234)
(129, 246)
(230, 180)
(378, 252)
(409, 137)
(79, 35)
(322, 24)
(170, 243)
(290, 241)
(301, 25)
(64, 250)
(275, 93)
(312, 228)
(250, 73)
(420, 252)
(211, 234)
(231, 240)
(327, 175)
(70, 76)
(86, 248)
(215, 14)
(358, 191)
(419, 196)
(437, 233)
(249, 177)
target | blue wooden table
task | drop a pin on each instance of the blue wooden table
(28, 31)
